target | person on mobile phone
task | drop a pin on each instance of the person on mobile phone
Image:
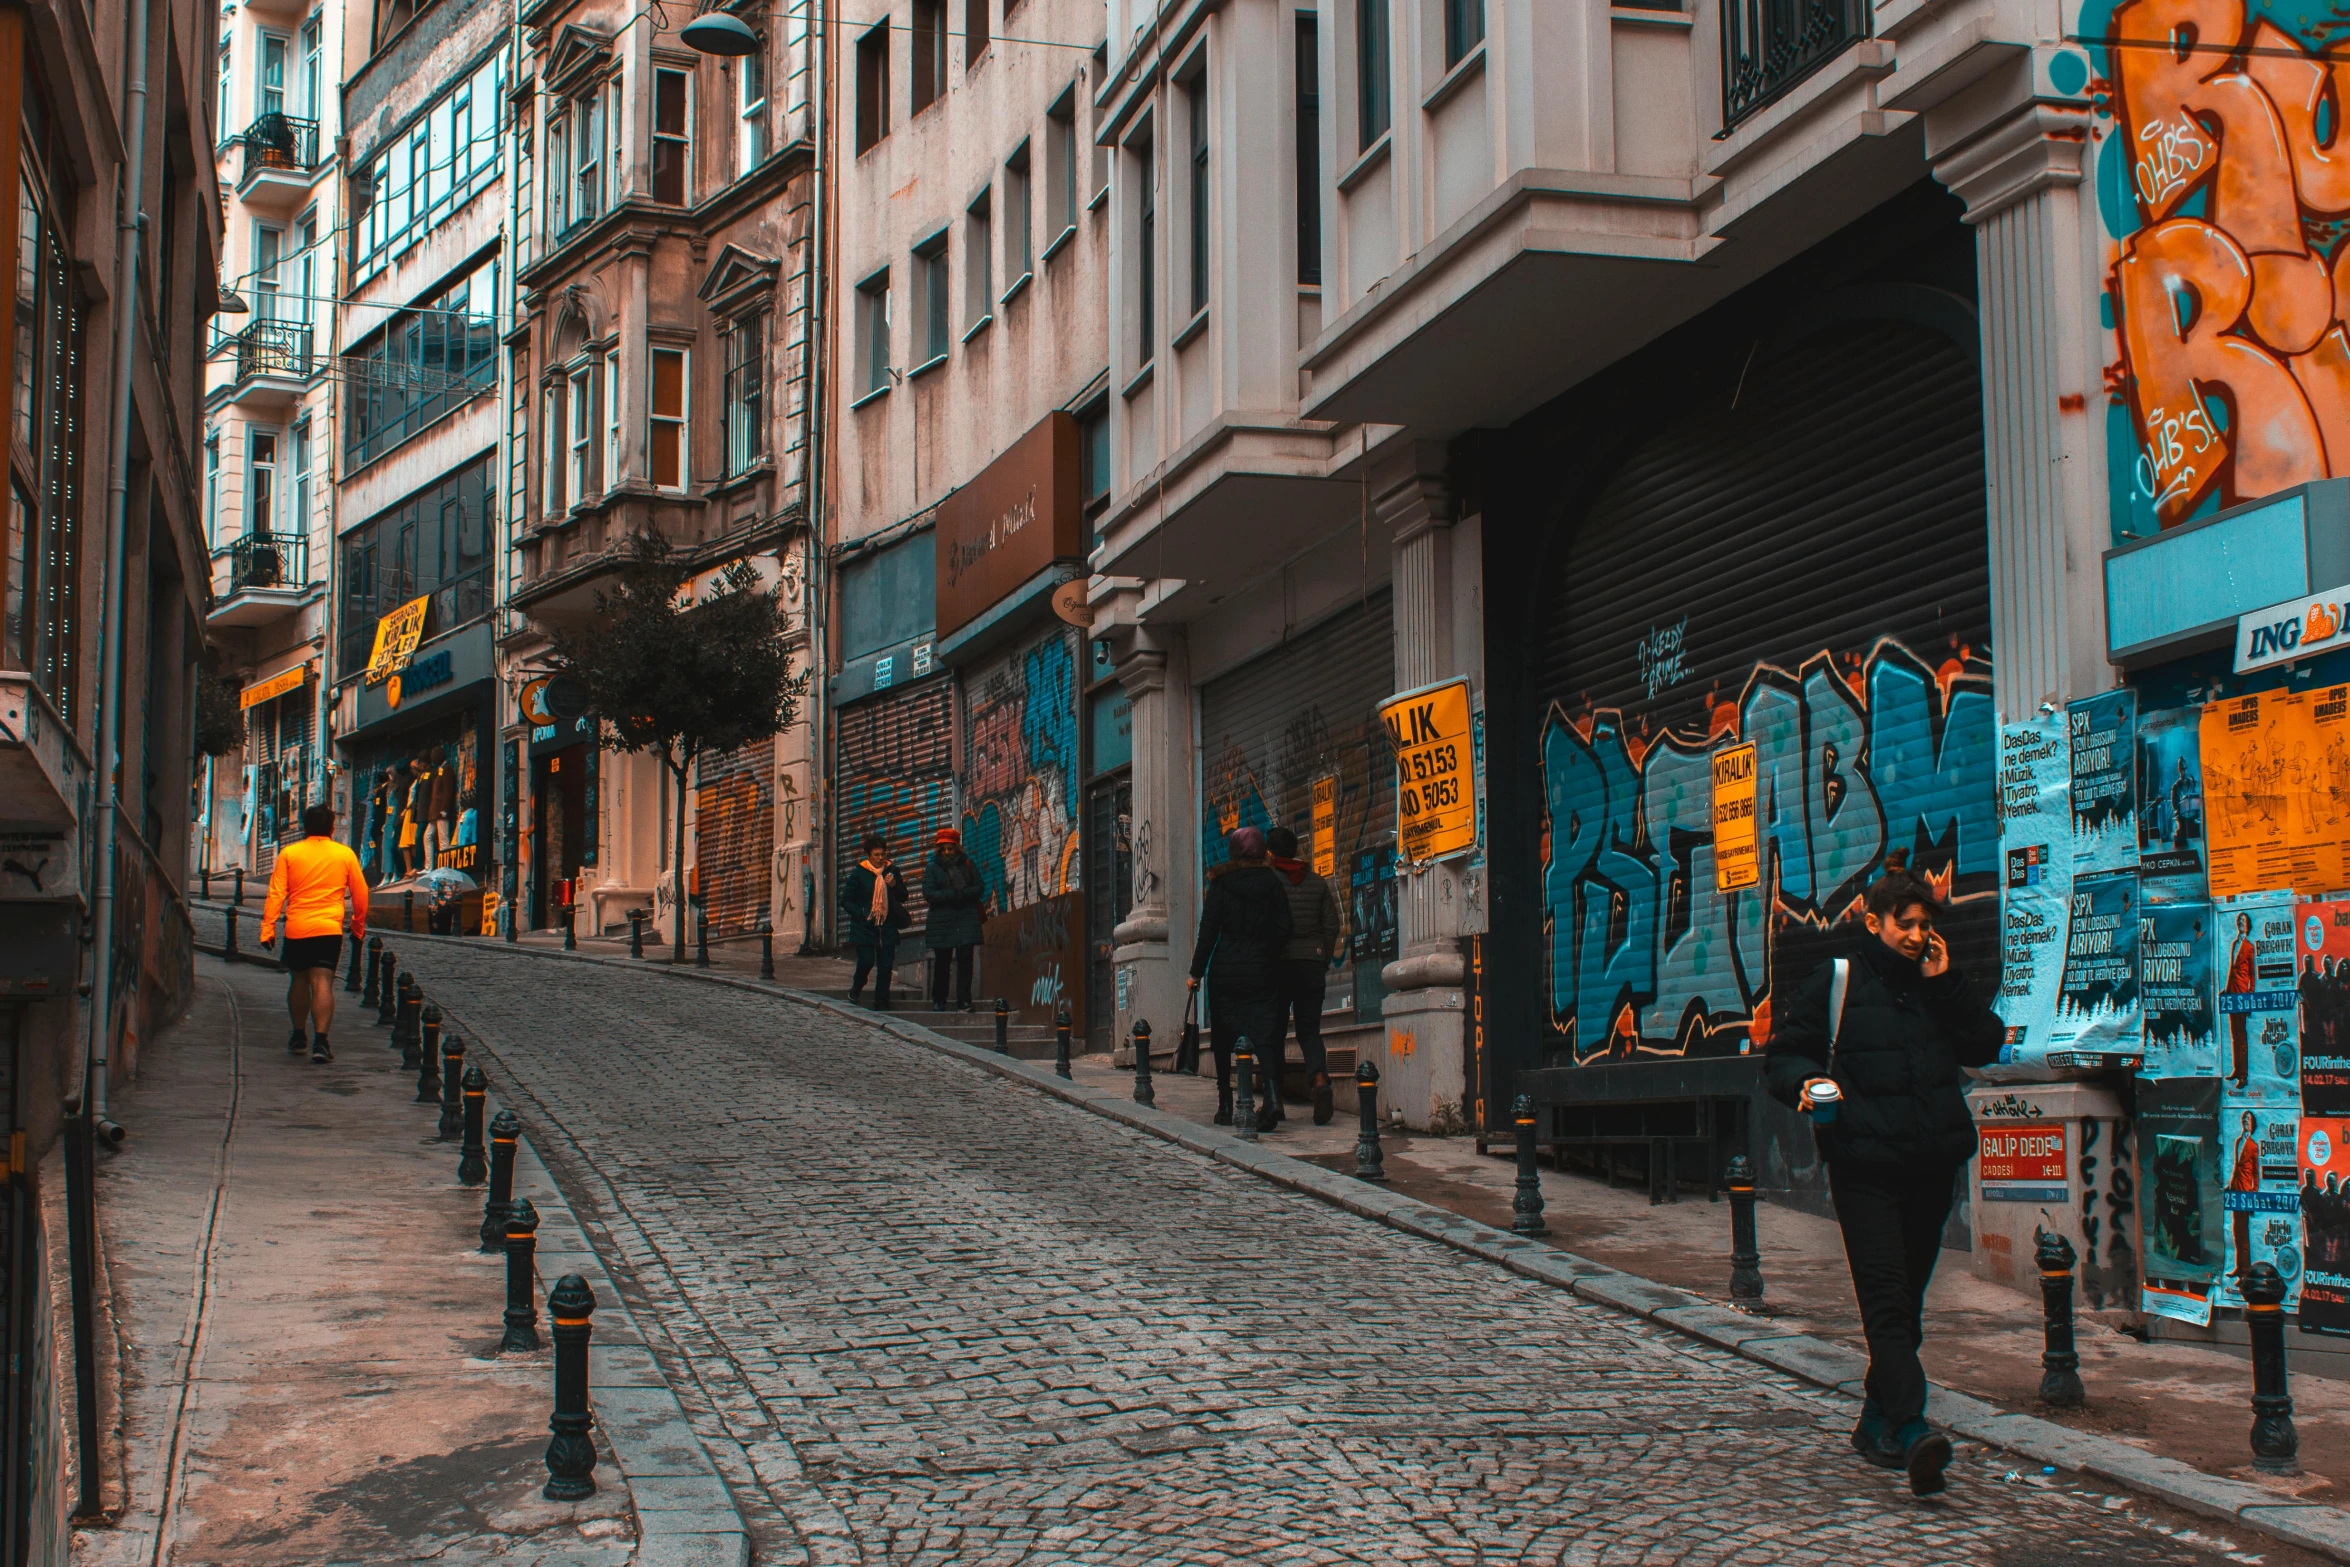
(1895, 1132)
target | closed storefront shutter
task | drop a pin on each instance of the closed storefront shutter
(1798, 563)
(734, 833)
(1021, 776)
(1307, 714)
(896, 770)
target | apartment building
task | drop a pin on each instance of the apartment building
(970, 435)
(661, 362)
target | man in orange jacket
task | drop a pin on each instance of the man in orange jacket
(308, 885)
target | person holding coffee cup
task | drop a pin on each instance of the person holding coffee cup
(1883, 1086)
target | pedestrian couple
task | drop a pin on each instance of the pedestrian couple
(308, 885)
(873, 897)
(1267, 931)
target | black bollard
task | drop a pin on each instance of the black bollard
(1746, 1280)
(408, 910)
(2275, 1444)
(636, 934)
(701, 938)
(240, 886)
(1526, 1206)
(505, 1131)
(1244, 1102)
(351, 980)
(1144, 1093)
(766, 951)
(571, 930)
(1003, 1028)
(420, 1037)
(471, 1166)
(229, 945)
(371, 992)
(206, 873)
(522, 1293)
(408, 1022)
(1061, 1040)
(452, 1089)
(387, 995)
(2060, 1364)
(1370, 1165)
(571, 1456)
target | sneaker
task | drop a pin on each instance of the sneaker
(320, 1050)
(1925, 1455)
(297, 1042)
(1872, 1441)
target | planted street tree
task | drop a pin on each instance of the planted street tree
(680, 678)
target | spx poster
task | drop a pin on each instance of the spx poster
(2036, 851)
(2175, 989)
(2261, 1145)
(2325, 1007)
(2097, 1018)
(2170, 806)
(2104, 782)
(2325, 1222)
(2182, 1209)
(2259, 998)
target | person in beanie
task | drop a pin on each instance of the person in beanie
(1894, 1138)
(957, 895)
(1314, 933)
(873, 896)
(1243, 927)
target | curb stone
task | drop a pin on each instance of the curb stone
(2313, 1527)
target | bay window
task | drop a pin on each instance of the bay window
(666, 427)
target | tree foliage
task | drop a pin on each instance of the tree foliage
(220, 722)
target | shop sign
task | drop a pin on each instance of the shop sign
(426, 674)
(459, 659)
(1018, 516)
(561, 732)
(275, 686)
(2298, 628)
(396, 637)
(533, 703)
(2023, 1163)
(1436, 790)
(489, 913)
(1737, 830)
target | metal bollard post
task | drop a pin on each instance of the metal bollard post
(701, 938)
(636, 934)
(1526, 1206)
(1370, 1165)
(408, 910)
(240, 886)
(1003, 1028)
(371, 992)
(1746, 1280)
(1061, 1040)
(571, 929)
(351, 980)
(206, 873)
(228, 947)
(452, 1089)
(505, 1132)
(2060, 1364)
(1244, 1080)
(571, 1456)
(2275, 1444)
(766, 951)
(471, 1165)
(422, 1050)
(387, 996)
(522, 1274)
(1144, 1093)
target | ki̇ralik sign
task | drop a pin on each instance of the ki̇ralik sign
(2298, 628)
(1435, 783)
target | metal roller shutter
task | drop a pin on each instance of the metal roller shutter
(1800, 562)
(896, 771)
(734, 834)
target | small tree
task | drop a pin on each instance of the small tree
(220, 722)
(678, 678)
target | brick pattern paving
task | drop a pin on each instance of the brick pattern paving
(925, 1315)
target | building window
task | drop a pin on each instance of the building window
(260, 482)
(434, 543)
(581, 395)
(406, 190)
(612, 421)
(979, 262)
(227, 96)
(425, 363)
(551, 497)
(1019, 260)
(872, 86)
(751, 112)
(668, 425)
(930, 53)
(211, 496)
(268, 245)
(1101, 154)
(42, 566)
(313, 67)
(269, 95)
(1371, 51)
(931, 307)
(298, 523)
(746, 394)
(1060, 165)
(1198, 106)
(1093, 455)
(672, 137)
(587, 149)
(974, 32)
(1146, 251)
(1464, 29)
(305, 297)
(1309, 149)
(873, 333)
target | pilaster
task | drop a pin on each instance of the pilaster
(1152, 666)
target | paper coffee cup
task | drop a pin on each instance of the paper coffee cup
(1825, 1097)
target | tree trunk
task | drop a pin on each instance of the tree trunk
(684, 766)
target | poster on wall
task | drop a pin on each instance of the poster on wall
(2325, 1224)
(2324, 986)
(2104, 782)
(2035, 841)
(2182, 1213)
(2259, 999)
(2272, 820)
(2098, 1023)
(2170, 806)
(2260, 1148)
(2175, 988)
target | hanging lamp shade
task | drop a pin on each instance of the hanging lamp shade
(719, 32)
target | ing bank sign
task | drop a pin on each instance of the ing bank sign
(2298, 628)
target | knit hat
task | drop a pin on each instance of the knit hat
(1244, 843)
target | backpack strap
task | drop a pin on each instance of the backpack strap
(1839, 981)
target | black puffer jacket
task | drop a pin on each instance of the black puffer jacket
(1897, 1059)
(1243, 925)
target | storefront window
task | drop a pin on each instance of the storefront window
(435, 542)
(416, 803)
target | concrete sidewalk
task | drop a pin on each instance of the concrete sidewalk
(309, 1333)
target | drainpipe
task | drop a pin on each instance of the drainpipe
(129, 224)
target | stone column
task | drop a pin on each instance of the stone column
(1153, 942)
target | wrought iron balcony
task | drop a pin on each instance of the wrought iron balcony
(277, 348)
(278, 561)
(278, 143)
(1768, 46)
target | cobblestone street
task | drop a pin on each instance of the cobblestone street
(921, 1314)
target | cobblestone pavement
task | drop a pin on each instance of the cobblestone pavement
(921, 1314)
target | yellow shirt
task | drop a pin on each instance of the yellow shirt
(308, 884)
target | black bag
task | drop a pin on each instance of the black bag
(1187, 1043)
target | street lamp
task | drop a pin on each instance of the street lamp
(720, 32)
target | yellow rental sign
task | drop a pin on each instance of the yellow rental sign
(1737, 830)
(1435, 776)
(396, 636)
(1326, 825)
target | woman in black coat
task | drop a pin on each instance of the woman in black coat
(1243, 925)
(873, 897)
(1895, 1139)
(956, 895)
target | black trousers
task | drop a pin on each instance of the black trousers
(941, 958)
(1298, 984)
(1248, 1010)
(877, 959)
(1892, 1222)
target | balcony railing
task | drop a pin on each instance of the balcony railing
(268, 560)
(1768, 46)
(281, 143)
(273, 348)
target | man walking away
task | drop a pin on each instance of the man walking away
(957, 895)
(1243, 925)
(873, 896)
(308, 885)
(1304, 969)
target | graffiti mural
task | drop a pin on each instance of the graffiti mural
(2224, 186)
(896, 777)
(734, 834)
(1855, 756)
(1020, 773)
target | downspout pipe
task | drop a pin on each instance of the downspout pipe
(130, 225)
